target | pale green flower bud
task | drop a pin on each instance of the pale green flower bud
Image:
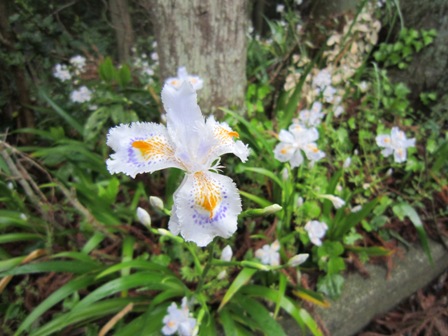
(227, 253)
(272, 209)
(156, 202)
(337, 201)
(144, 217)
(298, 259)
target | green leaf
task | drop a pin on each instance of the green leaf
(68, 118)
(331, 285)
(56, 297)
(311, 296)
(298, 314)
(148, 280)
(402, 210)
(16, 237)
(137, 264)
(260, 315)
(107, 70)
(124, 76)
(93, 242)
(227, 323)
(95, 123)
(54, 266)
(90, 313)
(259, 200)
(374, 251)
(346, 223)
(281, 293)
(265, 172)
(242, 278)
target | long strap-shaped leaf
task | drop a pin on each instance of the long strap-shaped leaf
(242, 279)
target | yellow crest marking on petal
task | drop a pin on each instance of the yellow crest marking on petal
(207, 194)
(152, 147)
(226, 134)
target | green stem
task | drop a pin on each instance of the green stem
(210, 250)
(197, 263)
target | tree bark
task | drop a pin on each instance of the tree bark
(208, 37)
(121, 21)
(18, 87)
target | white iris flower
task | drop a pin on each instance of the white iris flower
(268, 254)
(316, 231)
(395, 143)
(297, 139)
(178, 320)
(206, 204)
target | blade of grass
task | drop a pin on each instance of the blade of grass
(64, 115)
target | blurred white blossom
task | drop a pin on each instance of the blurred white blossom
(337, 201)
(268, 254)
(280, 8)
(79, 63)
(81, 95)
(61, 72)
(396, 143)
(316, 231)
(297, 139)
(347, 162)
(178, 320)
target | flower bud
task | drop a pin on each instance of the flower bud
(298, 259)
(227, 253)
(337, 201)
(347, 162)
(156, 202)
(356, 208)
(272, 209)
(144, 217)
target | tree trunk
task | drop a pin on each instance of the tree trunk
(428, 70)
(121, 21)
(17, 88)
(208, 37)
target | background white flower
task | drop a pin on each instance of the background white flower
(61, 72)
(79, 63)
(396, 143)
(316, 231)
(178, 320)
(297, 139)
(81, 95)
(268, 254)
(337, 201)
